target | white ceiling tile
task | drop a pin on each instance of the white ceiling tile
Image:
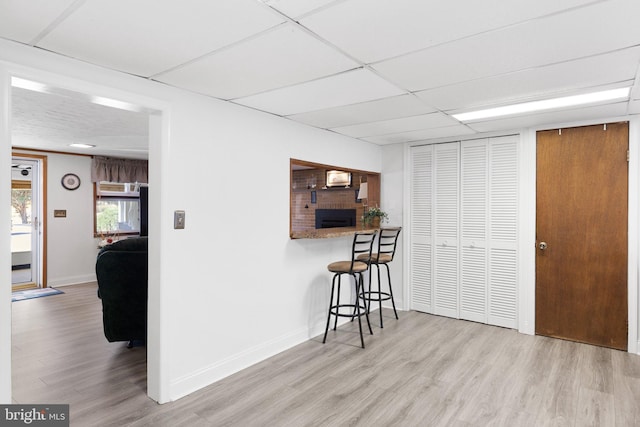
(555, 117)
(146, 37)
(55, 120)
(347, 88)
(420, 135)
(424, 121)
(460, 58)
(380, 109)
(296, 8)
(536, 43)
(593, 71)
(284, 56)
(23, 20)
(376, 30)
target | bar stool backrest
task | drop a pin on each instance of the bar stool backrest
(362, 245)
(387, 241)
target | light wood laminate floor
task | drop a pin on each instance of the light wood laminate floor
(421, 370)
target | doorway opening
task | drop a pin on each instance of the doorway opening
(52, 120)
(28, 225)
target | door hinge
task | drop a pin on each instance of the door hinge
(628, 155)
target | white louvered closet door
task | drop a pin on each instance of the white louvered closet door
(473, 230)
(463, 260)
(421, 243)
(503, 215)
(445, 267)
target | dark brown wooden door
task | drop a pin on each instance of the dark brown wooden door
(581, 218)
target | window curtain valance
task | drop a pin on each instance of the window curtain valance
(119, 170)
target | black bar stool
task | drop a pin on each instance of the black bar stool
(361, 247)
(387, 241)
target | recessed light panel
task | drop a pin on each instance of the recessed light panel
(545, 104)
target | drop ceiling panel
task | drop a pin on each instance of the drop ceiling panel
(540, 42)
(296, 8)
(284, 56)
(404, 124)
(402, 26)
(23, 20)
(566, 116)
(52, 121)
(145, 37)
(420, 135)
(346, 88)
(381, 109)
(619, 66)
(454, 58)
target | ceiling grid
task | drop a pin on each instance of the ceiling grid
(385, 71)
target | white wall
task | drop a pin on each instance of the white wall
(240, 289)
(71, 247)
(392, 202)
(231, 288)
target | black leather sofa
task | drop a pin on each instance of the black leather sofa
(121, 270)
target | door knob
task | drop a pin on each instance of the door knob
(542, 246)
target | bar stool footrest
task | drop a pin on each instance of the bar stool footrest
(383, 296)
(335, 310)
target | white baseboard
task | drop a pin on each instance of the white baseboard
(195, 381)
(188, 384)
(72, 280)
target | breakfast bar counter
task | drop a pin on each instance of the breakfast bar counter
(326, 233)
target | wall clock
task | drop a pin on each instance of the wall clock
(70, 181)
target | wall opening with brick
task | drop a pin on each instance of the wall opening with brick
(310, 192)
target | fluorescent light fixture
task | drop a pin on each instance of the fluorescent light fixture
(28, 85)
(545, 104)
(108, 102)
(80, 145)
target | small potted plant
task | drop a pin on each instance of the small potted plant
(373, 217)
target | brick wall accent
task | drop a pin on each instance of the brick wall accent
(303, 212)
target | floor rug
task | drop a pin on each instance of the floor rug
(33, 293)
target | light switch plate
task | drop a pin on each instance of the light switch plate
(178, 220)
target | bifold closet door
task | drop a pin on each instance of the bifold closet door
(463, 259)
(474, 192)
(421, 214)
(502, 291)
(446, 205)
